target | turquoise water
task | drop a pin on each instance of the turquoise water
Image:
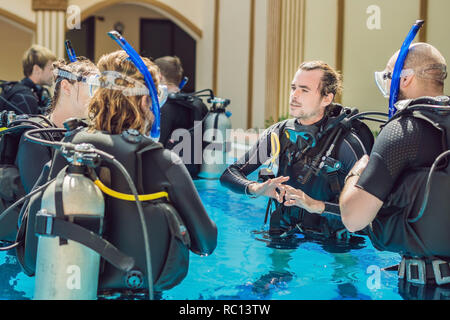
(243, 266)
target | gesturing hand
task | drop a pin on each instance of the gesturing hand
(272, 188)
(296, 197)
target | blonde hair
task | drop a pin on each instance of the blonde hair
(36, 55)
(110, 110)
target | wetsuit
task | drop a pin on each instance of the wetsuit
(26, 97)
(179, 114)
(21, 166)
(325, 186)
(405, 144)
(398, 175)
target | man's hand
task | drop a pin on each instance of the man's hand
(272, 188)
(296, 197)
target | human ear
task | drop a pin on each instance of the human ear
(36, 70)
(406, 81)
(66, 87)
(327, 100)
(145, 103)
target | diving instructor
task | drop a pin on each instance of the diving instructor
(385, 192)
(301, 139)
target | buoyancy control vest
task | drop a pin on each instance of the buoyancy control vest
(415, 219)
(146, 162)
(11, 187)
(312, 164)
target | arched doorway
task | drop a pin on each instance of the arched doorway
(151, 30)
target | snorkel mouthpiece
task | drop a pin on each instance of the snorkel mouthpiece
(399, 64)
(140, 65)
(70, 52)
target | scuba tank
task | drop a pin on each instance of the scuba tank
(216, 135)
(66, 269)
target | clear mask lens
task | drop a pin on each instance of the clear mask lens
(382, 79)
(163, 95)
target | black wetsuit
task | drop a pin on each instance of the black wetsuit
(404, 144)
(20, 171)
(179, 114)
(318, 187)
(31, 158)
(26, 97)
(397, 174)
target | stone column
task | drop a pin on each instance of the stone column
(50, 24)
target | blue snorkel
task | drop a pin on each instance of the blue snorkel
(183, 83)
(137, 61)
(395, 83)
(70, 52)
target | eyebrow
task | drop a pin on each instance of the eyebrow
(300, 86)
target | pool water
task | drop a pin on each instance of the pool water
(244, 266)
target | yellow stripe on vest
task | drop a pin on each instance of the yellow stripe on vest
(130, 197)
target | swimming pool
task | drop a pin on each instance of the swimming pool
(244, 267)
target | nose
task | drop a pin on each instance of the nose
(296, 93)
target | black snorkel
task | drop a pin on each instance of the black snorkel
(70, 51)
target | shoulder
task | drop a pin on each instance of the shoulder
(406, 127)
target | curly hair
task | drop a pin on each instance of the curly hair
(110, 110)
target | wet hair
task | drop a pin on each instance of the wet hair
(80, 68)
(171, 69)
(36, 55)
(110, 110)
(331, 81)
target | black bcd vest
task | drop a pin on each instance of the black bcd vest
(409, 223)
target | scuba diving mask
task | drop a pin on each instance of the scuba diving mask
(382, 79)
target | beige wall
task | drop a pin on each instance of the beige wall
(21, 8)
(16, 40)
(233, 57)
(259, 63)
(130, 16)
(439, 30)
(320, 31)
(366, 51)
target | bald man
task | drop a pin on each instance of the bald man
(404, 144)
(372, 194)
